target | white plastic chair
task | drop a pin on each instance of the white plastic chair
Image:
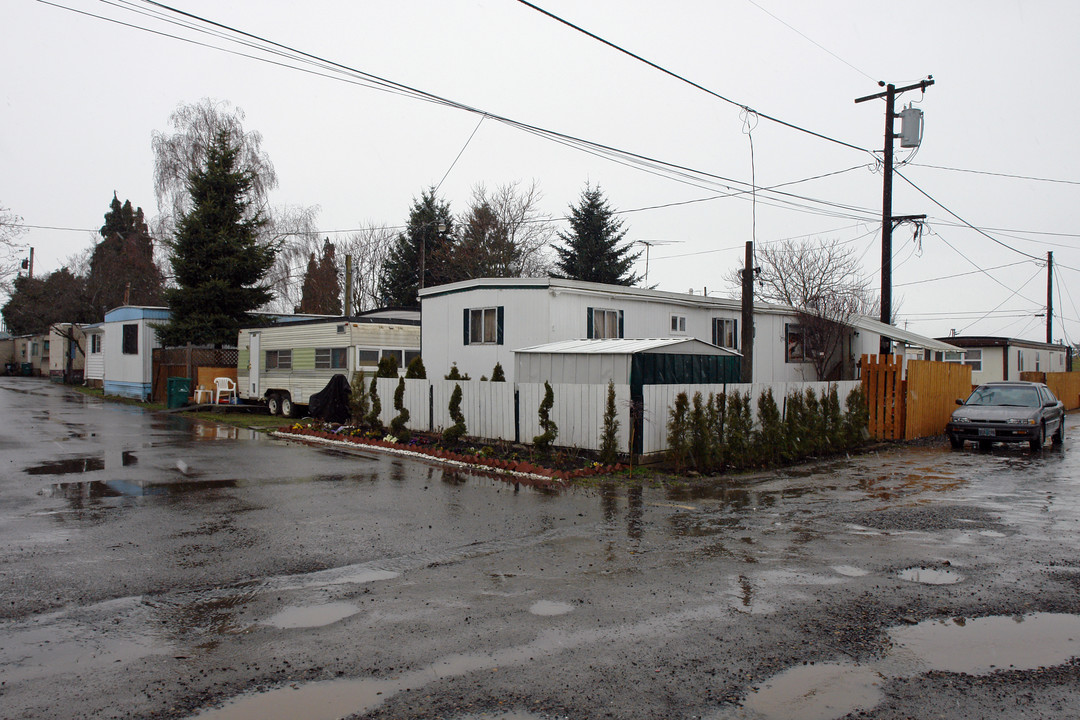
(224, 387)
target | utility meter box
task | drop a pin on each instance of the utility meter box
(911, 127)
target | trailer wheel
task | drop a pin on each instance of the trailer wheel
(287, 407)
(273, 404)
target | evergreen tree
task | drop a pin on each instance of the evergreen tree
(321, 293)
(399, 421)
(358, 398)
(122, 267)
(217, 260)
(400, 280)
(455, 432)
(416, 369)
(609, 434)
(592, 251)
(544, 440)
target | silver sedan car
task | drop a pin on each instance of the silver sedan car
(1008, 412)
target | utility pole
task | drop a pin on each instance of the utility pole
(348, 285)
(1049, 297)
(891, 91)
(747, 372)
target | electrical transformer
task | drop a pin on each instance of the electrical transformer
(911, 127)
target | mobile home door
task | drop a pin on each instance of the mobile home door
(254, 365)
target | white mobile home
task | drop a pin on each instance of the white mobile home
(477, 323)
(67, 354)
(94, 374)
(284, 365)
(128, 340)
(1000, 358)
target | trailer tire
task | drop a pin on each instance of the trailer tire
(287, 407)
(273, 404)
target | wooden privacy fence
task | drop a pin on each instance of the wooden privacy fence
(1064, 385)
(185, 362)
(916, 407)
(883, 386)
(932, 389)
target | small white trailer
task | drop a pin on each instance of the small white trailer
(284, 365)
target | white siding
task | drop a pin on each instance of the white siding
(578, 412)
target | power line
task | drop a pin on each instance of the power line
(691, 83)
(811, 40)
(965, 222)
(1007, 299)
(670, 171)
(950, 277)
(994, 174)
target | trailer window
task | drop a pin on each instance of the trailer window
(411, 355)
(279, 359)
(329, 358)
(366, 357)
(397, 355)
(130, 340)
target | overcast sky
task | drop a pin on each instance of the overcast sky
(81, 97)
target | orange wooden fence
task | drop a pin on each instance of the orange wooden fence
(883, 387)
(1064, 385)
(932, 391)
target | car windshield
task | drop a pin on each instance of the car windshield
(1004, 395)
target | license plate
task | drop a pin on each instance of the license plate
(986, 432)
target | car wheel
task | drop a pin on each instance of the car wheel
(273, 404)
(956, 442)
(1037, 443)
(985, 444)
(1058, 438)
(287, 407)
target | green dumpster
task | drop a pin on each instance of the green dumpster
(27, 369)
(179, 389)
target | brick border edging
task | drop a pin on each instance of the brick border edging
(515, 468)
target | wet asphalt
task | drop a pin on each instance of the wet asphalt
(155, 567)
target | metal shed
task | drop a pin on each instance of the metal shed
(653, 361)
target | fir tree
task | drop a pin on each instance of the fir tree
(699, 433)
(358, 398)
(678, 430)
(497, 374)
(373, 419)
(400, 280)
(456, 431)
(217, 260)
(122, 267)
(416, 369)
(609, 434)
(321, 294)
(397, 425)
(592, 249)
(544, 440)
(769, 439)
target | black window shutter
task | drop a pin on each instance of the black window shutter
(588, 323)
(465, 323)
(499, 325)
(715, 333)
(620, 324)
(735, 334)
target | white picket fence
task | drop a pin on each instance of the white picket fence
(578, 410)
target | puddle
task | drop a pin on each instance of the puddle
(816, 692)
(983, 645)
(550, 607)
(991, 533)
(65, 467)
(502, 715)
(930, 576)
(312, 616)
(850, 571)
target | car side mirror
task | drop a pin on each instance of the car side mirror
(1049, 404)
(959, 401)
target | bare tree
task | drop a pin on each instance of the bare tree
(505, 234)
(178, 154)
(295, 229)
(11, 228)
(823, 283)
(369, 248)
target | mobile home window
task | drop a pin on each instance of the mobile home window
(483, 326)
(1038, 361)
(95, 343)
(367, 357)
(130, 340)
(795, 344)
(398, 354)
(974, 359)
(678, 323)
(604, 323)
(330, 358)
(725, 333)
(411, 355)
(279, 359)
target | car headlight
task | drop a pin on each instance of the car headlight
(961, 420)
(1021, 421)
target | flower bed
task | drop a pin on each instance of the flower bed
(554, 468)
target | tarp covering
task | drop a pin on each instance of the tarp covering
(332, 402)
